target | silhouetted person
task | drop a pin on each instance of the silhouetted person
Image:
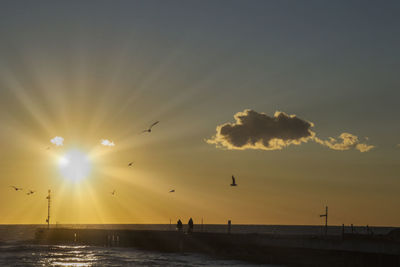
(190, 224)
(179, 225)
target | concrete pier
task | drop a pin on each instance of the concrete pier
(260, 248)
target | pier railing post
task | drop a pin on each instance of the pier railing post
(342, 231)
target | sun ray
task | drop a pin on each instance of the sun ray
(27, 103)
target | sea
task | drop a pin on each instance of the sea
(17, 248)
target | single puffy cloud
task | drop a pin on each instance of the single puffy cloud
(106, 142)
(253, 130)
(347, 142)
(58, 141)
(364, 147)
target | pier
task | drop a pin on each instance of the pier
(346, 250)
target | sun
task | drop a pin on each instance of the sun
(74, 165)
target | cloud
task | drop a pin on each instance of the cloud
(348, 141)
(58, 141)
(364, 147)
(253, 130)
(106, 142)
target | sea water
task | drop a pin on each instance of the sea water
(17, 248)
(43, 255)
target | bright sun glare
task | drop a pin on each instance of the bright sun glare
(74, 165)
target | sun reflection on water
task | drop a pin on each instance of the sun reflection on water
(69, 256)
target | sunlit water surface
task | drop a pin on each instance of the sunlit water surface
(40, 255)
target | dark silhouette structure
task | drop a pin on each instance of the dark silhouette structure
(288, 250)
(48, 210)
(326, 219)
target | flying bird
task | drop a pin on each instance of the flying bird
(149, 129)
(130, 164)
(30, 192)
(233, 181)
(113, 193)
(16, 188)
(172, 191)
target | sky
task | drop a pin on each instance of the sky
(297, 99)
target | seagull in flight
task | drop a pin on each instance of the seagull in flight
(16, 188)
(233, 181)
(149, 129)
(113, 193)
(172, 191)
(130, 164)
(30, 192)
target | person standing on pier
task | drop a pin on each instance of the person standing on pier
(190, 224)
(179, 225)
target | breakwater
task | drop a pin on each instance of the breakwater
(347, 250)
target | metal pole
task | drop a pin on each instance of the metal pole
(48, 210)
(326, 219)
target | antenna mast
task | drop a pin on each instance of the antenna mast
(48, 209)
(326, 219)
